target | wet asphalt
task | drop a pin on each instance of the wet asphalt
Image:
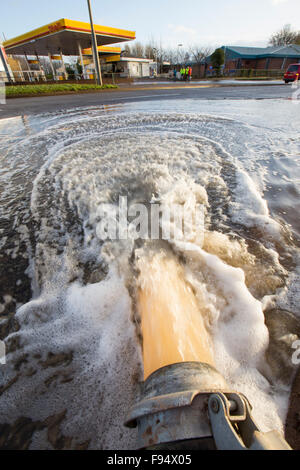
(42, 104)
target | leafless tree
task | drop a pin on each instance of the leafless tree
(180, 55)
(285, 37)
(187, 57)
(137, 50)
(149, 51)
(126, 51)
(199, 53)
(170, 56)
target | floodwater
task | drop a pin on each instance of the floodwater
(68, 311)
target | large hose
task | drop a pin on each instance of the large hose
(185, 402)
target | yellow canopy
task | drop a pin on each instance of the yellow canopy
(103, 50)
(63, 36)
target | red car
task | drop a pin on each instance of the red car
(292, 73)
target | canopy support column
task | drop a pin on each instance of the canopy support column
(43, 75)
(95, 49)
(28, 68)
(64, 67)
(81, 60)
(52, 66)
(21, 73)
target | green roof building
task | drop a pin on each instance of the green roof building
(261, 58)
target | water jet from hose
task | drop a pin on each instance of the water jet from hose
(172, 327)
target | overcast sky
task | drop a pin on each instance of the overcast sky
(204, 22)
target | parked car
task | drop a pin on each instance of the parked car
(292, 73)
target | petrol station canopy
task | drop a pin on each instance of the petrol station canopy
(102, 50)
(65, 36)
(106, 52)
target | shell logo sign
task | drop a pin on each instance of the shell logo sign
(53, 28)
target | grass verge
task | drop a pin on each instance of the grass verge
(64, 88)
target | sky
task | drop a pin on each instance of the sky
(169, 22)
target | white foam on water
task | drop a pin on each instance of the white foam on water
(249, 207)
(93, 324)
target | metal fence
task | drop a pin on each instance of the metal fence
(34, 76)
(255, 73)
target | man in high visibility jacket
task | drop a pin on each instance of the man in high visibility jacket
(185, 73)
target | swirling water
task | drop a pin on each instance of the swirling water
(68, 309)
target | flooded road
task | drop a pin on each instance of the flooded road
(68, 299)
(136, 93)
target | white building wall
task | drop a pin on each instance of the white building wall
(145, 69)
(134, 69)
(137, 69)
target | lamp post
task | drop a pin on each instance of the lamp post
(156, 54)
(95, 50)
(179, 45)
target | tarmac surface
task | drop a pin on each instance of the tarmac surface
(205, 91)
